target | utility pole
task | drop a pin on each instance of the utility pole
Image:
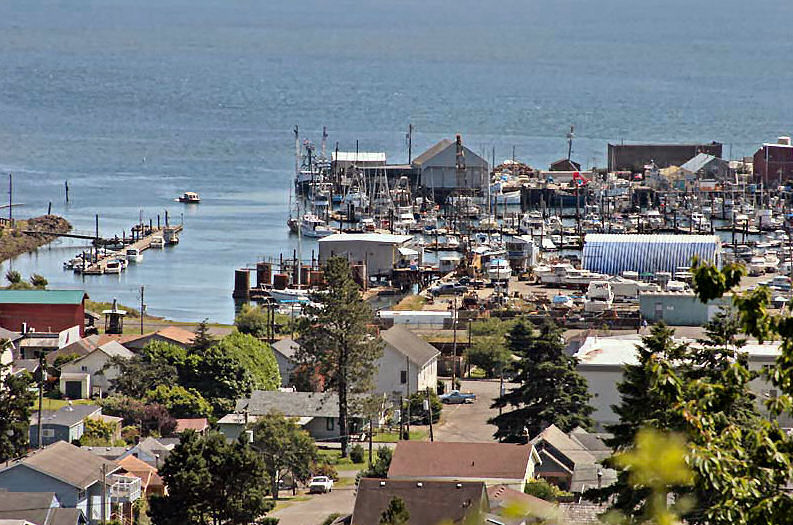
(454, 341)
(407, 387)
(42, 371)
(10, 198)
(410, 143)
(104, 493)
(371, 433)
(142, 309)
(96, 239)
(429, 408)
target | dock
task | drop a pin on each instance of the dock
(143, 243)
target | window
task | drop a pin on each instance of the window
(48, 433)
(84, 368)
(329, 423)
(403, 376)
(80, 494)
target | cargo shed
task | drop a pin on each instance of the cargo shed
(615, 253)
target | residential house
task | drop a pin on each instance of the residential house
(32, 344)
(91, 374)
(36, 508)
(65, 424)
(199, 425)
(408, 364)
(6, 360)
(12, 339)
(285, 351)
(491, 463)
(42, 310)
(316, 412)
(151, 482)
(171, 334)
(153, 451)
(518, 508)
(429, 502)
(568, 462)
(74, 475)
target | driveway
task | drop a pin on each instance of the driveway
(468, 422)
(314, 510)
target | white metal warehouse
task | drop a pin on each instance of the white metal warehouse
(615, 253)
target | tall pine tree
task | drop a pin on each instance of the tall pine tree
(551, 390)
(337, 342)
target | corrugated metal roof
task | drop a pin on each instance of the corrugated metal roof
(434, 150)
(698, 162)
(654, 238)
(361, 156)
(42, 296)
(367, 237)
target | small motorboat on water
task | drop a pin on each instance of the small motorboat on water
(114, 266)
(134, 255)
(190, 197)
(157, 242)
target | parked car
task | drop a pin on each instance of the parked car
(320, 485)
(449, 289)
(456, 397)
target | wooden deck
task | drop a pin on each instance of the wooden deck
(142, 244)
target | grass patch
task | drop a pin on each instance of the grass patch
(333, 457)
(55, 404)
(393, 437)
(477, 373)
(411, 302)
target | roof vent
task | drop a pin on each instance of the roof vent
(382, 483)
(459, 485)
(419, 484)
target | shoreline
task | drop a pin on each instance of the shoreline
(13, 242)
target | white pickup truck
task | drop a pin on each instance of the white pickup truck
(320, 485)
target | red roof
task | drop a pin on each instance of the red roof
(198, 424)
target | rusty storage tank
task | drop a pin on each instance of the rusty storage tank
(242, 284)
(280, 281)
(264, 273)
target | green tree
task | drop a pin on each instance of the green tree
(254, 356)
(252, 320)
(179, 401)
(97, 433)
(284, 448)
(490, 354)
(211, 482)
(380, 465)
(38, 281)
(417, 412)
(396, 513)
(551, 390)
(16, 398)
(539, 488)
(153, 367)
(203, 339)
(336, 340)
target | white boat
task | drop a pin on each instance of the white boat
(113, 266)
(157, 242)
(290, 295)
(499, 270)
(190, 197)
(367, 224)
(452, 242)
(313, 226)
(134, 255)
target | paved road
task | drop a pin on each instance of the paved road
(468, 422)
(315, 510)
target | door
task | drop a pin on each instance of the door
(74, 390)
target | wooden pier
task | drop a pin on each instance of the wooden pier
(141, 244)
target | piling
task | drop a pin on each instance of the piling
(242, 284)
(280, 281)
(264, 274)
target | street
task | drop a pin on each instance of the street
(468, 422)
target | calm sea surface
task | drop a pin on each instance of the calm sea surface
(134, 102)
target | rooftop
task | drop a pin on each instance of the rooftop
(292, 404)
(385, 238)
(409, 344)
(42, 296)
(414, 459)
(287, 347)
(358, 156)
(655, 238)
(31, 506)
(67, 416)
(432, 151)
(67, 463)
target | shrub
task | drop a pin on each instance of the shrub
(325, 469)
(417, 412)
(540, 488)
(331, 518)
(357, 454)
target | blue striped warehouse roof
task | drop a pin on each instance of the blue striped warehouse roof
(615, 253)
(42, 296)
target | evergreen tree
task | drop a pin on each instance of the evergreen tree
(284, 448)
(337, 342)
(16, 398)
(551, 390)
(203, 340)
(396, 513)
(211, 481)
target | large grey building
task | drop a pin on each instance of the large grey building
(633, 157)
(378, 251)
(448, 166)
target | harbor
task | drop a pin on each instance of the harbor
(587, 247)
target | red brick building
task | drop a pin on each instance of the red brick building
(773, 163)
(42, 310)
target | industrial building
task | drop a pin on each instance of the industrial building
(633, 157)
(677, 308)
(379, 252)
(616, 253)
(42, 310)
(773, 163)
(450, 166)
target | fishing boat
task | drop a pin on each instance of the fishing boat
(499, 270)
(189, 197)
(290, 295)
(313, 226)
(134, 255)
(157, 242)
(113, 266)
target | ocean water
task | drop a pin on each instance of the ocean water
(134, 102)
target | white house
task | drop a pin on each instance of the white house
(601, 361)
(408, 363)
(87, 376)
(284, 351)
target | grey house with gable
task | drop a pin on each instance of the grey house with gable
(72, 474)
(66, 424)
